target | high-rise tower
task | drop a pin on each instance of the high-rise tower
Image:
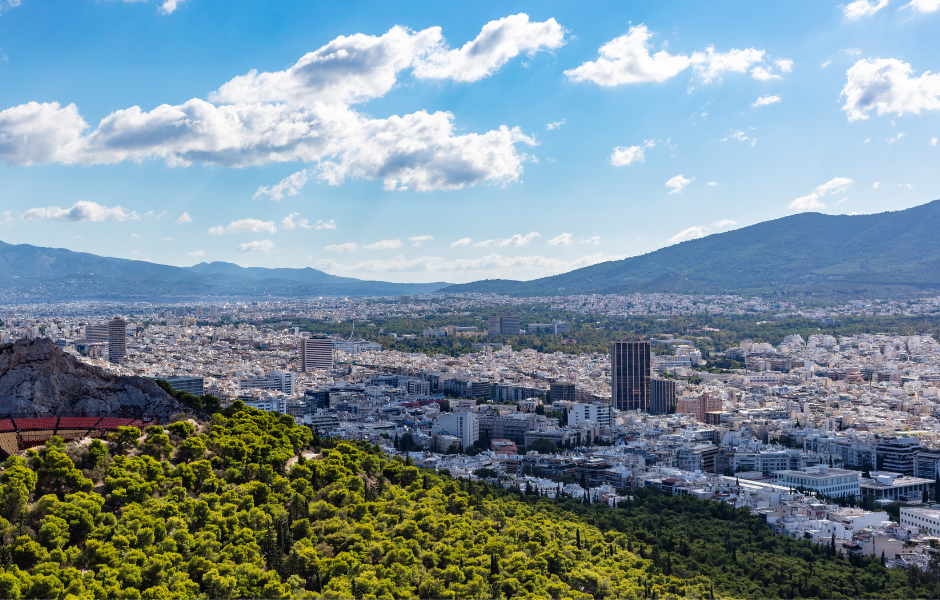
(630, 375)
(117, 339)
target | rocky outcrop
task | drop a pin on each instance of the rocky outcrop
(37, 378)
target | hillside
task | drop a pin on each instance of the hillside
(885, 253)
(38, 379)
(32, 273)
(250, 505)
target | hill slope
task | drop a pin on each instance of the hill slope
(41, 274)
(889, 252)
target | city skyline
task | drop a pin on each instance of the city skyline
(453, 145)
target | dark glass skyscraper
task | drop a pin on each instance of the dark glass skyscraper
(630, 375)
(662, 396)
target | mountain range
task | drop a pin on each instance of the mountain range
(32, 273)
(883, 254)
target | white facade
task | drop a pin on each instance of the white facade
(831, 482)
(598, 413)
(316, 354)
(463, 425)
(269, 404)
(273, 381)
(927, 518)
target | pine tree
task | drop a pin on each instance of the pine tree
(494, 565)
(577, 538)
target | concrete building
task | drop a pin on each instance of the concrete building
(630, 375)
(698, 405)
(504, 325)
(268, 404)
(662, 396)
(117, 339)
(463, 425)
(191, 385)
(97, 333)
(897, 455)
(273, 381)
(562, 391)
(925, 517)
(316, 354)
(885, 485)
(597, 413)
(823, 480)
(697, 457)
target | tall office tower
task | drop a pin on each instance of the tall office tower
(98, 333)
(198, 311)
(213, 311)
(316, 354)
(562, 391)
(662, 396)
(504, 325)
(404, 299)
(630, 375)
(117, 339)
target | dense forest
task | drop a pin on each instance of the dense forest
(250, 505)
(593, 333)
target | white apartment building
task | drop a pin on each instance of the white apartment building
(927, 518)
(823, 480)
(316, 354)
(598, 413)
(463, 425)
(273, 381)
(268, 404)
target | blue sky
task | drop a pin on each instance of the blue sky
(453, 141)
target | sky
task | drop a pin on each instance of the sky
(458, 141)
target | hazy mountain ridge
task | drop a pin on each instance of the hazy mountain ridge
(41, 274)
(892, 251)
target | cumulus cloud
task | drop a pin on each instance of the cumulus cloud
(384, 245)
(625, 155)
(886, 85)
(924, 6)
(288, 222)
(289, 186)
(692, 233)
(591, 240)
(725, 223)
(516, 240)
(461, 242)
(257, 246)
(196, 253)
(563, 239)
(244, 226)
(184, 218)
(554, 125)
(933, 141)
(712, 183)
(83, 210)
(497, 43)
(876, 185)
(627, 59)
(417, 240)
(434, 268)
(304, 113)
(764, 101)
(321, 224)
(677, 183)
(811, 200)
(784, 64)
(169, 6)
(347, 247)
(863, 8)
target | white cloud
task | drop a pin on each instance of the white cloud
(863, 8)
(627, 59)
(304, 114)
(289, 186)
(498, 42)
(435, 268)
(741, 136)
(461, 242)
(384, 245)
(692, 233)
(677, 183)
(516, 240)
(811, 200)
(83, 210)
(826, 64)
(765, 100)
(887, 86)
(347, 247)
(288, 222)
(933, 141)
(169, 6)
(784, 64)
(167, 239)
(135, 236)
(184, 218)
(196, 253)
(244, 226)
(321, 224)
(924, 6)
(554, 125)
(625, 155)
(256, 246)
(725, 223)
(763, 74)
(591, 240)
(896, 138)
(712, 183)
(563, 239)
(417, 240)
(876, 185)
